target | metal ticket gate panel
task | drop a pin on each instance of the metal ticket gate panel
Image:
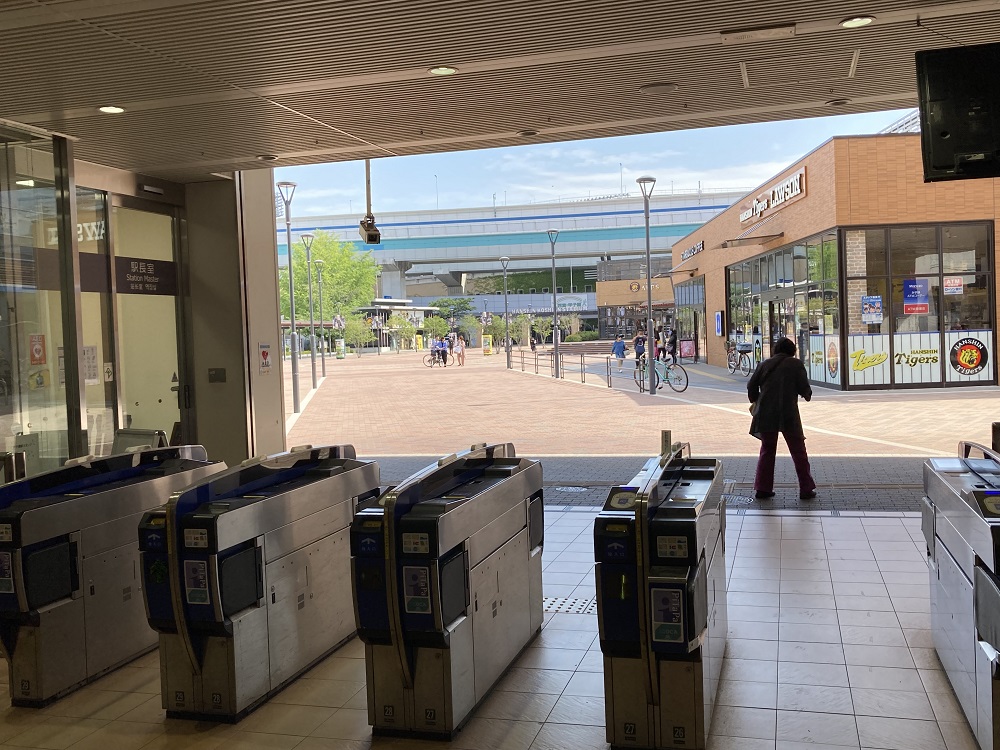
(661, 601)
(247, 577)
(961, 525)
(70, 595)
(447, 587)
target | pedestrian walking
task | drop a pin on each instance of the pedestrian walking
(618, 351)
(639, 344)
(460, 351)
(672, 346)
(774, 390)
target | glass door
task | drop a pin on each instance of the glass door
(145, 279)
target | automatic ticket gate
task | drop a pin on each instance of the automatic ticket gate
(70, 608)
(659, 543)
(961, 524)
(447, 574)
(247, 577)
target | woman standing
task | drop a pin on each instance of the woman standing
(774, 391)
(460, 351)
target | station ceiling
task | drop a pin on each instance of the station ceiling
(209, 86)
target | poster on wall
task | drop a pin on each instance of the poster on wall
(968, 356)
(718, 323)
(954, 285)
(871, 310)
(264, 363)
(37, 348)
(833, 359)
(917, 358)
(814, 358)
(867, 360)
(916, 296)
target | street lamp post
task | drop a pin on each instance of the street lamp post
(506, 317)
(307, 240)
(646, 184)
(553, 236)
(287, 190)
(322, 331)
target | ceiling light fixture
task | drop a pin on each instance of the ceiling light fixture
(837, 102)
(527, 132)
(25, 183)
(442, 70)
(659, 88)
(110, 110)
(856, 22)
(267, 157)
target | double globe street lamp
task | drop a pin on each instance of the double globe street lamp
(646, 184)
(307, 240)
(506, 316)
(286, 190)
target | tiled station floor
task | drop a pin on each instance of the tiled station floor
(830, 647)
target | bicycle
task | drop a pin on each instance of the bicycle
(738, 357)
(671, 373)
(432, 359)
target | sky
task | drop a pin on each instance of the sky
(735, 156)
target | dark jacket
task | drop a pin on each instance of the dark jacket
(776, 385)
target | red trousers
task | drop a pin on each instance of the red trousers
(764, 481)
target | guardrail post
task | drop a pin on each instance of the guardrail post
(996, 436)
(583, 368)
(609, 371)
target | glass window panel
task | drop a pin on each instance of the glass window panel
(800, 268)
(914, 251)
(875, 253)
(905, 319)
(866, 301)
(814, 259)
(830, 256)
(964, 248)
(772, 272)
(754, 276)
(831, 309)
(970, 310)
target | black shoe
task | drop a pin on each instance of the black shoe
(807, 495)
(764, 495)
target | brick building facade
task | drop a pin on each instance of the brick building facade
(882, 280)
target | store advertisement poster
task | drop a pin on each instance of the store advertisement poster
(871, 310)
(867, 360)
(954, 285)
(916, 358)
(967, 354)
(916, 296)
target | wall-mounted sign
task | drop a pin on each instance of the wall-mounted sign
(264, 364)
(916, 296)
(871, 310)
(954, 285)
(718, 323)
(777, 196)
(144, 276)
(968, 356)
(634, 286)
(692, 251)
(37, 348)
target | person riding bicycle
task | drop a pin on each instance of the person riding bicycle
(639, 344)
(441, 350)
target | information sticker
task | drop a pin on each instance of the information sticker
(416, 590)
(196, 581)
(668, 615)
(416, 544)
(197, 538)
(672, 546)
(6, 573)
(6, 532)
(622, 501)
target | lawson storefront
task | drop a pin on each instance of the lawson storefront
(892, 302)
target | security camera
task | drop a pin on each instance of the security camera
(368, 231)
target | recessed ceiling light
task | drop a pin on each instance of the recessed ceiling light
(659, 88)
(856, 22)
(837, 102)
(109, 110)
(442, 70)
(267, 157)
(25, 183)
(527, 132)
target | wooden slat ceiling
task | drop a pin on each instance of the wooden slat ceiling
(208, 85)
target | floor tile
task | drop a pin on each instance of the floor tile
(563, 736)
(884, 678)
(899, 734)
(734, 721)
(878, 656)
(816, 698)
(311, 692)
(803, 673)
(868, 619)
(120, 735)
(498, 733)
(738, 743)
(805, 726)
(765, 631)
(749, 670)
(740, 648)
(551, 658)
(586, 684)
(958, 736)
(891, 703)
(747, 694)
(809, 632)
(805, 615)
(869, 636)
(505, 704)
(278, 718)
(535, 681)
(56, 733)
(816, 653)
(579, 709)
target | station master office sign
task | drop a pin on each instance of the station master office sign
(145, 276)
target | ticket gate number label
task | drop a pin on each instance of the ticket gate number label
(197, 538)
(6, 573)
(668, 616)
(416, 590)
(416, 544)
(672, 546)
(196, 581)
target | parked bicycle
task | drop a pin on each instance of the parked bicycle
(738, 356)
(670, 373)
(432, 359)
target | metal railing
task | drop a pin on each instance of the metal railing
(584, 368)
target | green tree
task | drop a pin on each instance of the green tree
(496, 329)
(569, 322)
(520, 328)
(402, 329)
(357, 332)
(435, 326)
(454, 306)
(543, 327)
(348, 278)
(469, 327)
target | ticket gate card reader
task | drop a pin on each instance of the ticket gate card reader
(961, 525)
(253, 587)
(447, 587)
(70, 604)
(661, 602)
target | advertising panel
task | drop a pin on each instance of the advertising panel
(833, 363)
(871, 310)
(867, 359)
(968, 356)
(916, 358)
(916, 296)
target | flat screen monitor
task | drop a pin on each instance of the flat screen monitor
(959, 91)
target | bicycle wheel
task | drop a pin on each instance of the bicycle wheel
(429, 360)
(732, 361)
(640, 375)
(745, 364)
(451, 359)
(676, 377)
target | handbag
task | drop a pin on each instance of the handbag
(754, 408)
